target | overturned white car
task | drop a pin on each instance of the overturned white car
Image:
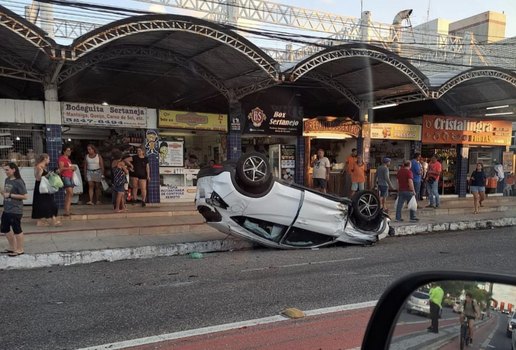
(243, 199)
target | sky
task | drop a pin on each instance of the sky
(381, 10)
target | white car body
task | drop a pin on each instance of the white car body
(283, 209)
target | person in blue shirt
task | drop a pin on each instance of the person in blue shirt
(417, 171)
(477, 186)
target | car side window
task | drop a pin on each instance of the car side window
(301, 237)
(262, 228)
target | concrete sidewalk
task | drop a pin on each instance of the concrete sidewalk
(95, 233)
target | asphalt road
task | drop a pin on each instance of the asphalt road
(79, 306)
(500, 339)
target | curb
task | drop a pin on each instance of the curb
(31, 261)
(454, 226)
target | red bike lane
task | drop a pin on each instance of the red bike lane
(338, 330)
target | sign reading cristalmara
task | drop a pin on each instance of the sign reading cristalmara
(105, 116)
(467, 131)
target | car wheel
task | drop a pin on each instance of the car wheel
(253, 170)
(366, 206)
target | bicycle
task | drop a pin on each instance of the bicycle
(465, 339)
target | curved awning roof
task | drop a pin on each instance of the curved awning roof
(26, 54)
(176, 60)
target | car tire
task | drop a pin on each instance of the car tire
(366, 206)
(253, 170)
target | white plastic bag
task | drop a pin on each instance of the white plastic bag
(412, 204)
(44, 186)
(104, 184)
(77, 181)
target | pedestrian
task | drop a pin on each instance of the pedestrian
(477, 186)
(384, 182)
(432, 179)
(139, 175)
(424, 169)
(192, 162)
(405, 191)
(321, 173)
(94, 173)
(350, 160)
(66, 170)
(436, 294)
(119, 177)
(357, 176)
(417, 172)
(44, 208)
(500, 176)
(14, 193)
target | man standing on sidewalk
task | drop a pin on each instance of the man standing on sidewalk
(432, 180)
(405, 191)
(384, 182)
(417, 171)
(436, 298)
(321, 174)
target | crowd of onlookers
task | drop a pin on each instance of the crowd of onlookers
(417, 179)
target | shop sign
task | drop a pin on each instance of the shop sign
(235, 124)
(388, 131)
(171, 153)
(192, 120)
(466, 131)
(177, 193)
(331, 126)
(104, 116)
(273, 120)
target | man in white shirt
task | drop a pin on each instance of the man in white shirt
(321, 174)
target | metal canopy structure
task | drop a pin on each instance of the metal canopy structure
(25, 56)
(180, 62)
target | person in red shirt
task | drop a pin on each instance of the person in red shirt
(66, 170)
(357, 176)
(406, 190)
(432, 180)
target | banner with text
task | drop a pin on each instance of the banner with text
(192, 120)
(389, 131)
(273, 120)
(467, 131)
(104, 116)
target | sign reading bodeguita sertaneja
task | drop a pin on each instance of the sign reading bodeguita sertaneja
(105, 116)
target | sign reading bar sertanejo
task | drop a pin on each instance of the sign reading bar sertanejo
(388, 131)
(106, 116)
(192, 120)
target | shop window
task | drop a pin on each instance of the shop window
(301, 237)
(21, 145)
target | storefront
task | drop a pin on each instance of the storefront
(188, 141)
(337, 137)
(107, 127)
(461, 143)
(22, 139)
(398, 142)
(276, 132)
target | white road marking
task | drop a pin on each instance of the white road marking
(300, 264)
(224, 327)
(485, 344)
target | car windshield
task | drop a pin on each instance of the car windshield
(237, 174)
(420, 295)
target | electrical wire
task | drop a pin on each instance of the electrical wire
(295, 38)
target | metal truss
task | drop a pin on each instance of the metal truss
(17, 74)
(477, 73)
(335, 85)
(32, 36)
(68, 29)
(416, 97)
(158, 54)
(18, 66)
(342, 53)
(239, 93)
(110, 34)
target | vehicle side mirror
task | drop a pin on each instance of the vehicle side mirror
(402, 318)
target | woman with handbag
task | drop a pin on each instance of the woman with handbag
(44, 208)
(94, 173)
(66, 170)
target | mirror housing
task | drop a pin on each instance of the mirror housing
(383, 320)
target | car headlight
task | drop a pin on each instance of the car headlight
(216, 201)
